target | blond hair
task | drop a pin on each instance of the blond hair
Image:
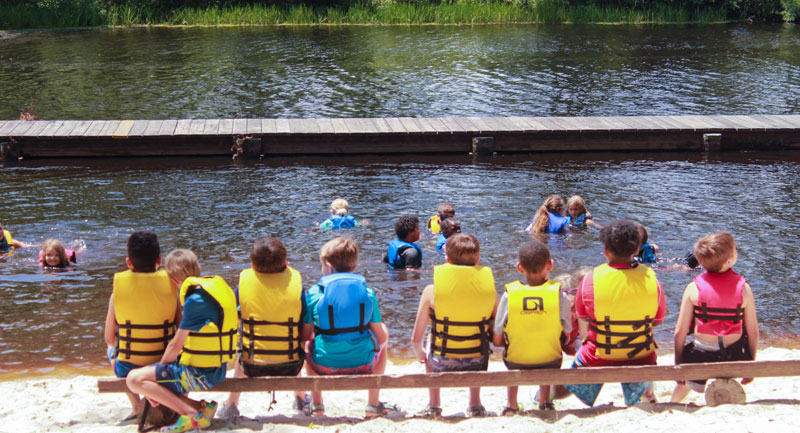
(463, 249)
(181, 264)
(446, 209)
(339, 207)
(341, 253)
(58, 247)
(554, 204)
(712, 251)
(577, 200)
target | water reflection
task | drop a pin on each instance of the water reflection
(363, 71)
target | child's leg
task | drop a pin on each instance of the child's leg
(135, 401)
(512, 397)
(544, 394)
(233, 398)
(316, 396)
(474, 397)
(679, 393)
(434, 394)
(143, 381)
(380, 367)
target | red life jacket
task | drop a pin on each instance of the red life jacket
(719, 303)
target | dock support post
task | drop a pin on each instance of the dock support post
(482, 146)
(711, 142)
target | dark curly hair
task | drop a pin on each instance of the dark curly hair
(621, 237)
(405, 225)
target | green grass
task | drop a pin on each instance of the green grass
(377, 12)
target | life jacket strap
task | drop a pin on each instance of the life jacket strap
(363, 327)
(127, 338)
(603, 329)
(730, 314)
(291, 326)
(482, 336)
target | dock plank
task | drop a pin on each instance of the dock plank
(153, 127)
(182, 128)
(282, 126)
(370, 125)
(664, 123)
(2, 126)
(211, 127)
(225, 127)
(67, 127)
(632, 124)
(792, 120)
(495, 124)
(108, 127)
(138, 128)
(325, 126)
(36, 128)
(253, 126)
(410, 124)
(479, 123)
(240, 126)
(438, 125)
(425, 125)
(536, 124)
(303, 126)
(466, 124)
(551, 124)
(168, 127)
(776, 122)
(452, 124)
(748, 122)
(268, 126)
(197, 126)
(51, 128)
(20, 128)
(82, 126)
(396, 125)
(522, 124)
(382, 126)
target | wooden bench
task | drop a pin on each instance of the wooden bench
(726, 391)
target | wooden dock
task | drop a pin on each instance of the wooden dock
(484, 135)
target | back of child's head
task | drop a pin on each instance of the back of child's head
(181, 264)
(339, 207)
(577, 201)
(554, 204)
(450, 226)
(143, 251)
(405, 224)
(642, 235)
(341, 253)
(463, 249)
(268, 256)
(712, 251)
(567, 281)
(56, 247)
(446, 210)
(621, 237)
(533, 256)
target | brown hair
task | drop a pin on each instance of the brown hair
(541, 219)
(181, 264)
(463, 249)
(712, 251)
(621, 237)
(642, 235)
(533, 256)
(578, 200)
(268, 256)
(58, 247)
(341, 253)
(446, 209)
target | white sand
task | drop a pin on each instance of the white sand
(74, 405)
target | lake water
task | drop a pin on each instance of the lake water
(416, 71)
(219, 208)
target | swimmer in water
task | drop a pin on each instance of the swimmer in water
(54, 255)
(578, 215)
(7, 242)
(340, 219)
(550, 217)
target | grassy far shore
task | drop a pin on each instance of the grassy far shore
(89, 13)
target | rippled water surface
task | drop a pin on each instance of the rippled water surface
(218, 208)
(429, 71)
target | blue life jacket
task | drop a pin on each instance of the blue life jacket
(556, 223)
(646, 254)
(343, 222)
(440, 241)
(345, 308)
(393, 253)
(579, 222)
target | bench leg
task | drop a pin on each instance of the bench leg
(724, 391)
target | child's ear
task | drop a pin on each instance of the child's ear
(520, 269)
(447, 259)
(158, 262)
(549, 265)
(129, 263)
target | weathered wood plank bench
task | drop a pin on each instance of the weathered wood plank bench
(721, 370)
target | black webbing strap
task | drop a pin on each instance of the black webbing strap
(482, 336)
(127, 338)
(292, 339)
(219, 335)
(730, 314)
(603, 329)
(363, 327)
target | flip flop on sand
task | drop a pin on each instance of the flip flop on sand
(382, 409)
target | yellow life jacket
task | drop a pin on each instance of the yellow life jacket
(463, 301)
(271, 308)
(145, 304)
(625, 304)
(6, 242)
(212, 345)
(8, 238)
(533, 331)
(435, 224)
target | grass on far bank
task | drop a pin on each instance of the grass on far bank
(543, 11)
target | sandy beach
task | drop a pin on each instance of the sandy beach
(72, 404)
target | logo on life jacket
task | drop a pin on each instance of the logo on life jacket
(533, 305)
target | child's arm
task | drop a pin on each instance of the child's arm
(421, 323)
(750, 319)
(174, 347)
(655, 248)
(110, 331)
(381, 332)
(684, 320)
(19, 244)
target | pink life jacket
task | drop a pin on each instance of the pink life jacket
(719, 303)
(70, 255)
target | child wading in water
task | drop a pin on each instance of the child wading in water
(54, 255)
(550, 217)
(577, 214)
(720, 305)
(340, 218)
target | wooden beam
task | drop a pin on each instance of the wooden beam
(502, 378)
